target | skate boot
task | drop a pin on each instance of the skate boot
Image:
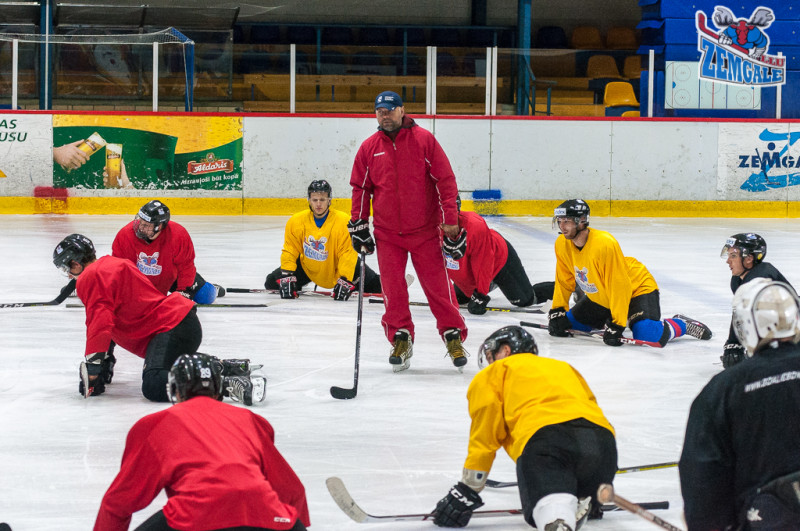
(543, 292)
(220, 290)
(454, 347)
(402, 350)
(558, 525)
(694, 328)
(248, 390)
(237, 367)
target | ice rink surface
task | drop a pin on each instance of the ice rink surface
(401, 443)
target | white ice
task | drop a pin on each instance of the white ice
(401, 443)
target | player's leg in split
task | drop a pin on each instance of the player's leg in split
(272, 278)
(163, 350)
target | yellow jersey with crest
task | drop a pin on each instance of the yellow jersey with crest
(326, 253)
(605, 275)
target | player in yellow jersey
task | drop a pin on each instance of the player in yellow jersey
(317, 248)
(542, 412)
(619, 291)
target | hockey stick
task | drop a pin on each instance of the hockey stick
(213, 305)
(62, 296)
(503, 484)
(597, 335)
(606, 494)
(348, 505)
(488, 308)
(341, 393)
(276, 292)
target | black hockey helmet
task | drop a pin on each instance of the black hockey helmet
(516, 337)
(75, 247)
(577, 209)
(321, 186)
(194, 375)
(748, 243)
(154, 212)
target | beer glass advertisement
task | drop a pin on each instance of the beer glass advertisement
(147, 152)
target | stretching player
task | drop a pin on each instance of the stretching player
(479, 259)
(744, 253)
(164, 252)
(124, 308)
(316, 248)
(740, 467)
(218, 464)
(619, 290)
(542, 412)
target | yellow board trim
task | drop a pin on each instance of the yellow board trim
(277, 206)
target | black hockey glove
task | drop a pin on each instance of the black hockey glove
(613, 334)
(288, 285)
(190, 291)
(343, 289)
(558, 324)
(732, 354)
(455, 509)
(360, 235)
(477, 303)
(456, 248)
(90, 372)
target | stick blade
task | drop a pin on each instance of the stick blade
(344, 500)
(341, 393)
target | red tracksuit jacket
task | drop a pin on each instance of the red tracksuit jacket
(121, 304)
(219, 467)
(168, 258)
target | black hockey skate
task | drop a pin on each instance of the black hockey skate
(248, 390)
(694, 328)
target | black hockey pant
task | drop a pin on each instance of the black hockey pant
(163, 350)
(158, 522)
(512, 281)
(372, 281)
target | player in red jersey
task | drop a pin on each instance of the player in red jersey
(164, 252)
(218, 464)
(123, 308)
(480, 258)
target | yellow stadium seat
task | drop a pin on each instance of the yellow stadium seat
(632, 68)
(619, 93)
(621, 38)
(631, 114)
(586, 38)
(602, 66)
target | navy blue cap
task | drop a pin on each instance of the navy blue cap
(388, 100)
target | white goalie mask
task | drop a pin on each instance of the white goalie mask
(764, 311)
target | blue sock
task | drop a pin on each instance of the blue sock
(576, 325)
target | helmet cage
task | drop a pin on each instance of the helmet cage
(765, 311)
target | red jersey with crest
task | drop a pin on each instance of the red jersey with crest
(485, 256)
(218, 465)
(168, 258)
(121, 305)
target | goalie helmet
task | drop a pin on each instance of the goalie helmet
(748, 243)
(763, 311)
(575, 209)
(194, 375)
(75, 247)
(154, 212)
(516, 337)
(320, 186)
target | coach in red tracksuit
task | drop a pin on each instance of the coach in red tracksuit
(402, 172)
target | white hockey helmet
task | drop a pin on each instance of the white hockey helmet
(765, 310)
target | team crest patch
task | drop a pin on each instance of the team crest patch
(582, 279)
(451, 264)
(148, 264)
(314, 249)
(736, 54)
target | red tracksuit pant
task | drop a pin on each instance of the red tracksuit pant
(426, 256)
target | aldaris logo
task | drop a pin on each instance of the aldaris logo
(210, 165)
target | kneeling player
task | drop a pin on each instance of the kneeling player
(218, 464)
(124, 308)
(563, 454)
(618, 289)
(163, 251)
(317, 249)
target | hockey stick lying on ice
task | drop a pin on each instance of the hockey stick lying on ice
(597, 335)
(492, 484)
(301, 293)
(62, 296)
(213, 305)
(488, 308)
(605, 494)
(348, 505)
(340, 393)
